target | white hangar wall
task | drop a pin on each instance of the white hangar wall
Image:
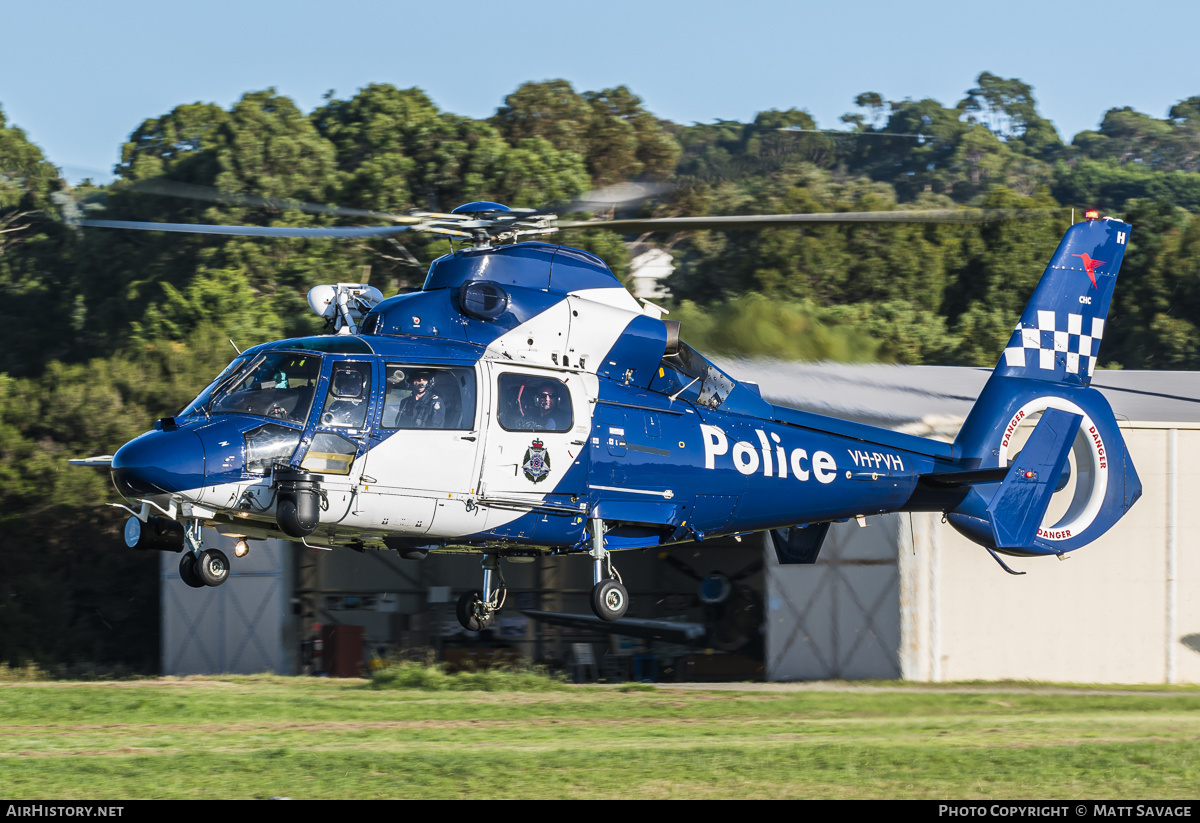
(911, 598)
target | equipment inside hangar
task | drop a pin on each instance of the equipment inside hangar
(696, 613)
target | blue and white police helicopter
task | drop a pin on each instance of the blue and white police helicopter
(523, 403)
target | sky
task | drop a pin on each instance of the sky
(81, 75)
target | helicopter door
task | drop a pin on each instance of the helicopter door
(425, 451)
(537, 436)
(335, 442)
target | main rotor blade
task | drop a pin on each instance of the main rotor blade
(617, 194)
(246, 231)
(752, 221)
(191, 191)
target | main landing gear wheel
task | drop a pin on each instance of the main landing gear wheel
(471, 611)
(610, 600)
(188, 572)
(213, 567)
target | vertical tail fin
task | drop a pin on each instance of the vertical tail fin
(1048, 364)
(1058, 338)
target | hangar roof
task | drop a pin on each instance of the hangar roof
(936, 399)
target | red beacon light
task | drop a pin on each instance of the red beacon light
(1091, 214)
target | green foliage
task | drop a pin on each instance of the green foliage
(1111, 186)
(731, 151)
(143, 739)
(29, 673)
(224, 300)
(755, 325)
(609, 129)
(103, 331)
(1155, 325)
(397, 151)
(35, 254)
(993, 137)
(1129, 137)
(72, 591)
(411, 675)
(1009, 111)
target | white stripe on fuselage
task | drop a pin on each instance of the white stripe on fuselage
(583, 328)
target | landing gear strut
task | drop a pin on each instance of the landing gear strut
(200, 567)
(476, 609)
(610, 600)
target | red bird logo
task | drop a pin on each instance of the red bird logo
(1090, 266)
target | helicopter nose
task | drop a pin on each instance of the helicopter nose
(159, 462)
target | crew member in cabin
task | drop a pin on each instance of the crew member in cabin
(422, 409)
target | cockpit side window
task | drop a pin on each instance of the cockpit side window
(349, 396)
(529, 402)
(279, 385)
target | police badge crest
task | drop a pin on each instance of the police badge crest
(537, 462)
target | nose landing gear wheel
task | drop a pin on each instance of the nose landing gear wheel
(213, 567)
(471, 611)
(188, 572)
(610, 600)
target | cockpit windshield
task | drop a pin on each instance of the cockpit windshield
(197, 405)
(279, 385)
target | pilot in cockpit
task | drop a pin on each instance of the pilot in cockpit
(269, 376)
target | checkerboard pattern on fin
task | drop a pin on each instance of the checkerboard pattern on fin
(1052, 345)
(1058, 337)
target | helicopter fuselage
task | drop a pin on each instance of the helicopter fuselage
(490, 469)
(523, 402)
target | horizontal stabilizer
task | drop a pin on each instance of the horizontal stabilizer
(1020, 504)
(949, 480)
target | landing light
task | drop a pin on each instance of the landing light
(241, 548)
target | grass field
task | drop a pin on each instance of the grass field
(256, 737)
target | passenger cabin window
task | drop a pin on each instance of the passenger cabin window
(349, 396)
(428, 397)
(532, 403)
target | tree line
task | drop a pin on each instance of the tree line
(103, 331)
